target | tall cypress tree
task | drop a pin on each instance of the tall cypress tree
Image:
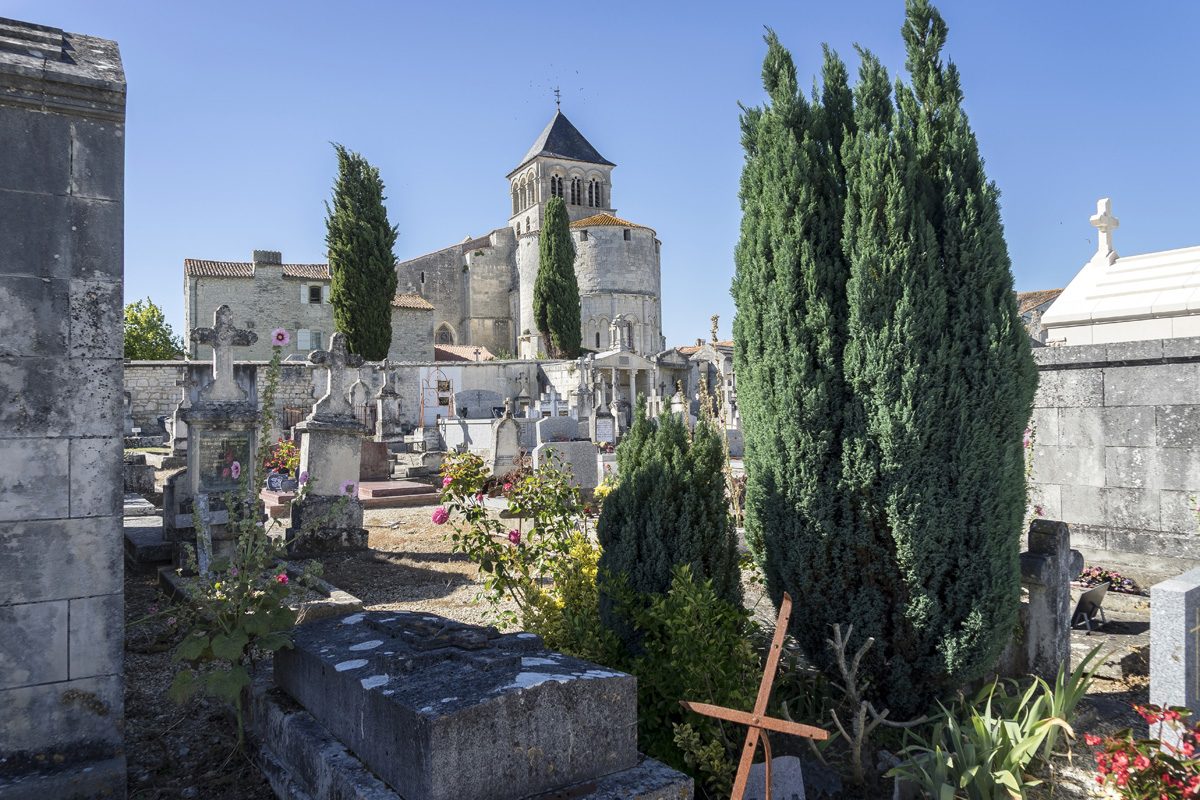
(917, 542)
(556, 310)
(361, 262)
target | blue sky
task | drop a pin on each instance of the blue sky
(232, 106)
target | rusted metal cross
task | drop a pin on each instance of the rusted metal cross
(758, 720)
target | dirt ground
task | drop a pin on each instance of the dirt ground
(190, 751)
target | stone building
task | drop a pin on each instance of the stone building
(482, 288)
(266, 294)
(1032, 306)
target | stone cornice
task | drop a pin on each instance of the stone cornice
(46, 69)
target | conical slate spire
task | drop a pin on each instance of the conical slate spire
(561, 139)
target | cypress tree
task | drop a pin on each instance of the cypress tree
(556, 309)
(670, 507)
(361, 263)
(917, 544)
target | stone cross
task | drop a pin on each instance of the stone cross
(1046, 570)
(223, 336)
(335, 402)
(1105, 223)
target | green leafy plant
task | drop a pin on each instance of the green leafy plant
(283, 456)
(1152, 769)
(148, 335)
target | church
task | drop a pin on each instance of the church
(481, 289)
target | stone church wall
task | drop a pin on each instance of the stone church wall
(489, 281)
(412, 335)
(1117, 450)
(62, 123)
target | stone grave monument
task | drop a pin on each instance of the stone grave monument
(477, 403)
(1047, 568)
(331, 455)
(579, 457)
(551, 403)
(388, 427)
(1175, 644)
(222, 426)
(556, 429)
(506, 442)
(603, 426)
(442, 710)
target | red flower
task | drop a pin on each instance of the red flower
(1141, 762)
(1120, 760)
(1092, 740)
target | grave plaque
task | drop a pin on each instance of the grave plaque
(448, 711)
(604, 429)
(217, 453)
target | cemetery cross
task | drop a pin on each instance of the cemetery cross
(223, 336)
(1105, 223)
(334, 403)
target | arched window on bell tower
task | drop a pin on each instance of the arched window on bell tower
(556, 186)
(594, 194)
(576, 192)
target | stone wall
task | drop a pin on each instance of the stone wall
(1117, 450)
(440, 279)
(61, 342)
(155, 388)
(412, 334)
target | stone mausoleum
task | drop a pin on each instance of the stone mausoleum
(482, 288)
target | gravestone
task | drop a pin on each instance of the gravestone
(578, 457)
(557, 429)
(359, 394)
(478, 403)
(331, 455)
(222, 425)
(442, 710)
(1046, 571)
(736, 442)
(1175, 644)
(550, 403)
(375, 462)
(787, 780)
(388, 427)
(603, 428)
(505, 443)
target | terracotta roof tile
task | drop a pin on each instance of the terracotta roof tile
(460, 352)
(200, 268)
(1030, 300)
(412, 301)
(606, 220)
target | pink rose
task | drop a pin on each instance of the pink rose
(514, 536)
(282, 577)
(446, 481)
(508, 487)
(440, 515)
(479, 498)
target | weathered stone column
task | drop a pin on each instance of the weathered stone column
(330, 456)
(1046, 570)
(62, 167)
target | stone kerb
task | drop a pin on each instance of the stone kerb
(579, 457)
(1175, 642)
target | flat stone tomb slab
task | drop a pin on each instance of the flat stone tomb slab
(447, 711)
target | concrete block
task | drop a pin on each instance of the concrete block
(1152, 385)
(578, 458)
(50, 560)
(1045, 422)
(1069, 466)
(80, 720)
(1174, 647)
(35, 476)
(98, 159)
(1047, 497)
(1143, 350)
(94, 404)
(94, 493)
(1135, 509)
(1182, 347)
(1079, 388)
(28, 138)
(97, 636)
(34, 232)
(1154, 545)
(34, 321)
(1179, 468)
(1177, 511)
(1081, 505)
(1178, 426)
(1089, 537)
(35, 643)
(104, 778)
(1131, 467)
(97, 319)
(1128, 426)
(1071, 354)
(1081, 427)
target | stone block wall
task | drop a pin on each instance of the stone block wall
(61, 342)
(412, 334)
(1117, 450)
(155, 388)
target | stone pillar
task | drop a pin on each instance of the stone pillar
(330, 454)
(1046, 570)
(62, 166)
(1175, 643)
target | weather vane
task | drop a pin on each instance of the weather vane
(557, 98)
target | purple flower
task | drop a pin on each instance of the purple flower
(170, 620)
(153, 608)
(440, 515)
(349, 487)
(304, 477)
(280, 337)
(233, 572)
(236, 469)
(514, 536)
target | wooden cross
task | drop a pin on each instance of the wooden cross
(758, 720)
(223, 337)
(335, 402)
(1105, 223)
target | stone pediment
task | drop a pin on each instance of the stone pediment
(621, 359)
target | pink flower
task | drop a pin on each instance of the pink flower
(1037, 510)
(225, 472)
(1092, 740)
(440, 515)
(508, 487)
(1141, 762)
(236, 469)
(304, 477)
(446, 481)
(280, 337)
(282, 577)
(228, 457)
(170, 620)
(514, 536)
(349, 487)
(479, 498)
(233, 572)
(153, 608)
